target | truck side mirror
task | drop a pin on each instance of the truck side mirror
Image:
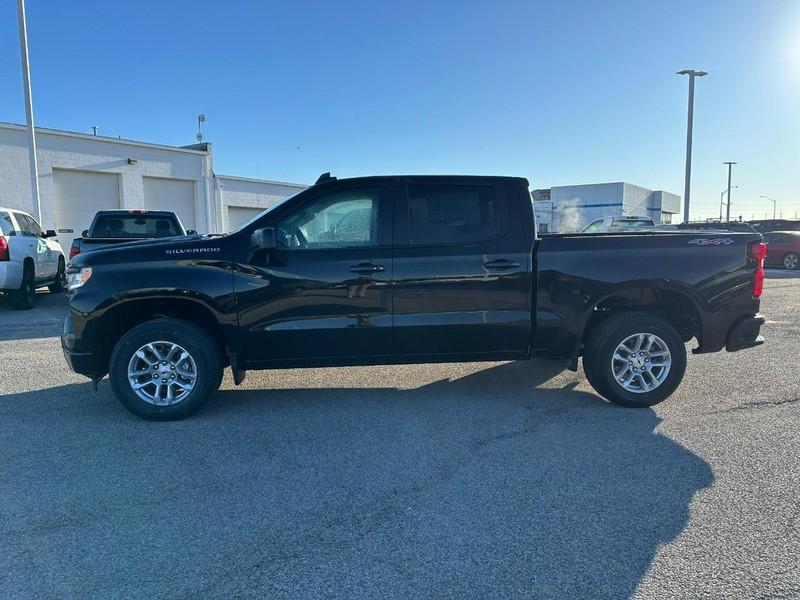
(191, 232)
(50, 233)
(85, 233)
(263, 239)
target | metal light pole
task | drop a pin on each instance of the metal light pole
(687, 182)
(721, 194)
(774, 205)
(728, 211)
(26, 82)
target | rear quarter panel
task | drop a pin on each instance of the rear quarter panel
(577, 272)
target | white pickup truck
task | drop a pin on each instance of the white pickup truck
(29, 258)
(617, 223)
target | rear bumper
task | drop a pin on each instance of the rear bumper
(10, 275)
(745, 333)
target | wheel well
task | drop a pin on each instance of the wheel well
(121, 319)
(675, 308)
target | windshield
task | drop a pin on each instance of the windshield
(135, 226)
(265, 211)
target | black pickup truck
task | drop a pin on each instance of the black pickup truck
(411, 269)
(111, 227)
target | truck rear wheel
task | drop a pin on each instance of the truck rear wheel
(165, 369)
(22, 298)
(635, 359)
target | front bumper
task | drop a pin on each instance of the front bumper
(745, 333)
(81, 362)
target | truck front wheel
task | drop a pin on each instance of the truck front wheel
(165, 369)
(634, 359)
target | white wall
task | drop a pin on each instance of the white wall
(251, 193)
(65, 150)
(636, 202)
(575, 206)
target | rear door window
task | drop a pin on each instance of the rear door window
(6, 224)
(452, 214)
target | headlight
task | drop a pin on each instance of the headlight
(78, 278)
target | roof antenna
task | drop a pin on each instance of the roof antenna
(201, 118)
(325, 177)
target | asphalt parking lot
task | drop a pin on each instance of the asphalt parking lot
(431, 481)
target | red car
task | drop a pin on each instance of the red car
(783, 249)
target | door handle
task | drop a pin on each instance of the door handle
(500, 263)
(366, 268)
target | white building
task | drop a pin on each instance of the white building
(80, 174)
(570, 208)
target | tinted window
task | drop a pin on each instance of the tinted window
(27, 225)
(451, 214)
(33, 226)
(338, 220)
(6, 225)
(134, 226)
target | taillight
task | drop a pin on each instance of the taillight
(758, 252)
(4, 254)
(74, 251)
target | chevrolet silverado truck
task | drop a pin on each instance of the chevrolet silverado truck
(110, 227)
(406, 269)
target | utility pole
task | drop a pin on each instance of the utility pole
(721, 194)
(688, 177)
(774, 205)
(26, 82)
(728, 211)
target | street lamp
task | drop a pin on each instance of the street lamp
(774, 205)
(733, 187)
(728, 211)
(26, 86)
(687, 182)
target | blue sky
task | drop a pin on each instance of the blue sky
(559, 92)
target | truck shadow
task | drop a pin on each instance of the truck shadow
(486, 485)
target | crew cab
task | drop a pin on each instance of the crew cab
(30, 258)
(406, 269)
(110, 227)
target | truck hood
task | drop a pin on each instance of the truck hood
(172, 248)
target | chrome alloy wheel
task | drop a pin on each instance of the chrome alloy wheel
(790, 261)
(641, 363)
(162, 373)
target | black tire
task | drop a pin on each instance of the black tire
(58, 285)
(203, 350)
(602, 344)
(22, 298)
(791, 261)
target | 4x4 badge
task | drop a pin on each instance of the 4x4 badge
(711, 242)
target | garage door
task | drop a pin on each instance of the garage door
(78, 196)
(171, 194)
(238, 215)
